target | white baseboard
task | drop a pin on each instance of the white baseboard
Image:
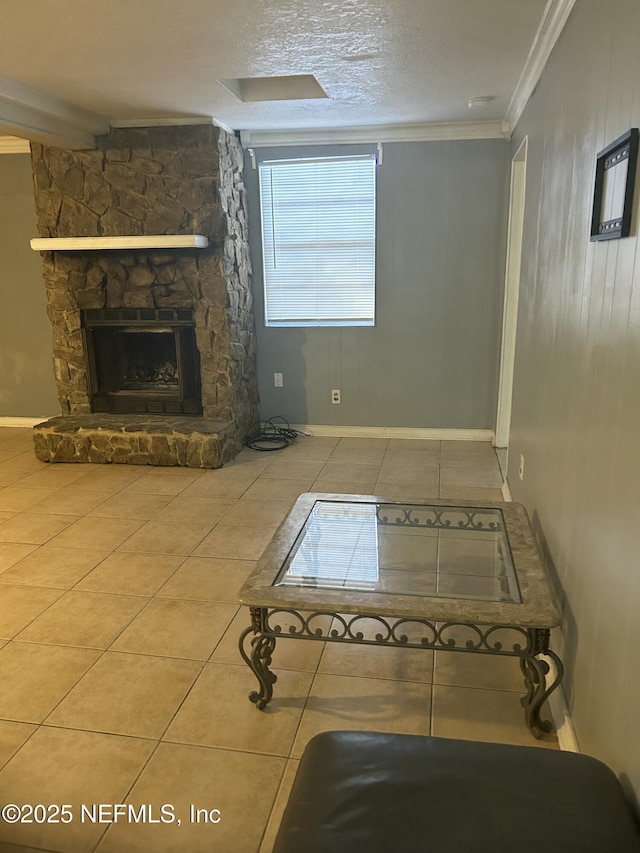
(396, 432)
(23, 422)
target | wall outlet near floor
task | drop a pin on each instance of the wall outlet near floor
(277, 380)
(335, 396)
(521, 467)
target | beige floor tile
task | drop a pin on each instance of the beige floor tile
(89, 619)
(489, 672)
(260, 513)
(470, 493)
(59, 766)
(412, 475)
(363, 443)
(7, 433)
(418, 444)
(16, 499)
(33, 529)
(343, 487)
(94, 532)
(11, 553)
(131, 573)
(127, 694)
(253, 458)
(336, 702)
(374, 662)
(217, 486)
(23, 463)
(108, 478)
(477, 459)
(280, 490)
(477, 477)
(164, 481)
(54, 567)
(12, 736)
(197, 510)
(241, 787)
(19, 605)
(354, 472)
(54, 476)
(309, 447)
(287, 469)
(407, 491)
(358, 455)
(177, 629)
(164, 537)
(218, 712)
(246, 468)
(275, 818)
(35, 678)
(412, 458)
(208, 579)
(467, 446)
(235, 541)
(290, 653)
(129, 505)
(69, 502)
(494, 716)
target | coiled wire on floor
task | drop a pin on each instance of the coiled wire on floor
(273, 434)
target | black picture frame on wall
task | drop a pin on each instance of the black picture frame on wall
(613, 192)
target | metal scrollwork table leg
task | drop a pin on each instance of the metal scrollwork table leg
(535, 671)
(262, 646)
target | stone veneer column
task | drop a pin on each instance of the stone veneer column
(167, 180)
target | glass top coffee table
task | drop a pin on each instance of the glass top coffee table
(440, 575)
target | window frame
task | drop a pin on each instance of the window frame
(363, 240)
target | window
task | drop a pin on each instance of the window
(318, 241)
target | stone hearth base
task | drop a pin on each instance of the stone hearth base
(137, 440)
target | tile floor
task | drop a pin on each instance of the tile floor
(120, 676)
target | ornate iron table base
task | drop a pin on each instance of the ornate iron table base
(504, 640)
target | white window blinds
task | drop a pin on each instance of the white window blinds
(318, 241)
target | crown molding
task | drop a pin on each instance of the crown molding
(553, 21)
(426, 132)
(14, 145)
(34, 115)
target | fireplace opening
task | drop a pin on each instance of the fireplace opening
(142, 360)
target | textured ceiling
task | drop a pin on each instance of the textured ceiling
(381, 62)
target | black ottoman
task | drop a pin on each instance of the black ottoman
(367, 792)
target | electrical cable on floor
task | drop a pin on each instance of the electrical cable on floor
(269, 435)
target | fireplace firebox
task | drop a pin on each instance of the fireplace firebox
(142, 360)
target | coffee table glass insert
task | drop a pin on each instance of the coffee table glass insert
(406, 549)
(455, 576)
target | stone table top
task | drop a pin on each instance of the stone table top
(537, 608)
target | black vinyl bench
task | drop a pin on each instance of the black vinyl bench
(368, 792)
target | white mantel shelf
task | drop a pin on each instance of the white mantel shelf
(84, 244)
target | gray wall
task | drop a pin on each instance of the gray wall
(27, 387)
(576, 407)
(431, 360)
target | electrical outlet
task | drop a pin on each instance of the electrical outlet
(335, 396)
(521, 467)
(277, 380)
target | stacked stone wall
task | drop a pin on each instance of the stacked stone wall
(170, 180)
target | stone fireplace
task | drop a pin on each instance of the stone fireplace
(154, 348)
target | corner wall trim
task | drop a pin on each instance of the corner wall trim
(396, 432)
